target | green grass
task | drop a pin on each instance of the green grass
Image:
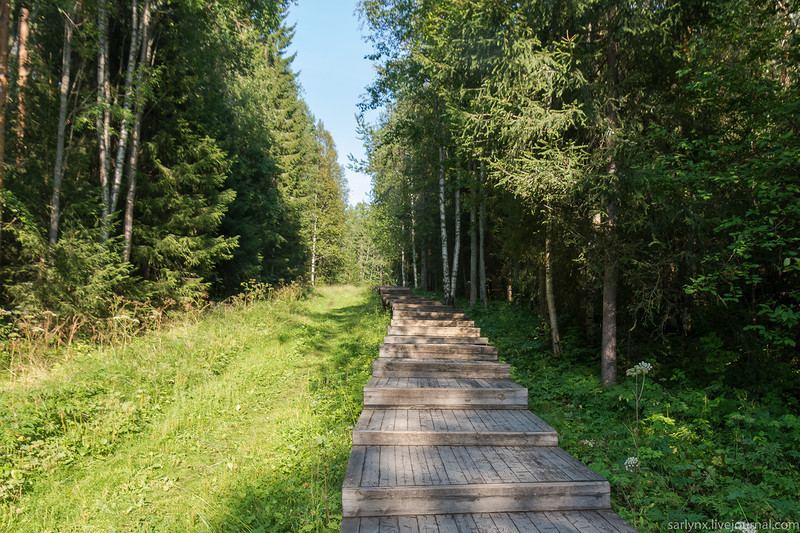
(240, 421)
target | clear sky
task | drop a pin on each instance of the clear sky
(333, 74)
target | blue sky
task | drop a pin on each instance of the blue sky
(333, 74)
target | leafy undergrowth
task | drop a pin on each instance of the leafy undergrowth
(240, 421)
(708, 457)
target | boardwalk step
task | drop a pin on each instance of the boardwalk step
(430, 315)
(433, 323)
(381, 480)
(473, 352)
(430, 339)
(603, 521)
(447, 393)
(454, 427)
(439, 368)
(434, 331)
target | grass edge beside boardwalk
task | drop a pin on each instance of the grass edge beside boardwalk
(240, 422)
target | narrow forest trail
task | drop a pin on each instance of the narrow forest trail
(446, 441)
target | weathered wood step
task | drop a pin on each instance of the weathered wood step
(402, 480)
(429, 339)
(429, 315)
(469, 352)
(422, 308)
(435, 331)
(456, 427)
(447, 393)
(604, 521)
(400, 322)
(441, 368)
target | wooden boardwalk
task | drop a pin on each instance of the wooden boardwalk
(446, 442)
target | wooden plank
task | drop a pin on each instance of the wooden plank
(387, 524)
(436, 466)
(452, 421)
(446, 523)
(540, 522)
(580, 522)
(504, 524)
(521, 470)
(419, 465)
(465, 523)
(388, 469)
(485, 467)
(370, 523)
(350, 525)
(401, 420)
(451, 466)
(438, 420)
(470, 469)
(352, 477)
(523, 523)
(503, 470)
(562, 524)
(539, 463)
(427, 524)
(407, 524)
(371, 475)
(405, 474)
(376, 419)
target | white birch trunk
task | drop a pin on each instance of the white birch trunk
(456, 246)
(58, 171)
(145, 56)
(103, 113)
(443, 226)
(119, 165)
(414, 243)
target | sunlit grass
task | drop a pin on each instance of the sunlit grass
(240, 422)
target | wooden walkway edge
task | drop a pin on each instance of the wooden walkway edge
(446, 442)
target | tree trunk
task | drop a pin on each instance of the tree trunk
(473, 242)
(456, 245)
(127, 105)
(5, 16)
(414, 243)
(58, 171)
(551, 299)
(424, 270)
(403, 266)
(443, 227)
(314, 253)
(608, 354)
(482, 239)
(103, 113)
(23, 73)
(145, 56)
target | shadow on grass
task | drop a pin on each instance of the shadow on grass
(300, 490)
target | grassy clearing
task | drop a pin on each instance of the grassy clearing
(240, 421)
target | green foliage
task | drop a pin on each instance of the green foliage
(705, 452)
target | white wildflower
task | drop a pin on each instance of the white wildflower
(640, 369)
(631, 464)
(746, 527)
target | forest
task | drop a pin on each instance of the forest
(155, 154)
(628, 169)
(611, 188)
